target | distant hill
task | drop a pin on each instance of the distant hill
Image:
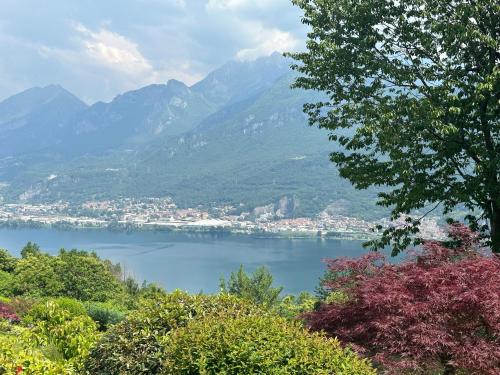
(237, 137)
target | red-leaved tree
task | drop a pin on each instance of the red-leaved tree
(438, 312)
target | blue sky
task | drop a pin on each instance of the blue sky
(100, 48)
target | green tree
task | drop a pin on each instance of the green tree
(86, 277)
(413, 102)
(6, 281)
(38, 276)
(256, 287)
(7, 261)
(30, 249)
(76, 274)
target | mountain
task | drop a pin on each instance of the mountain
(135, 118)
(237, 80)
(237, 137)
(34, 119)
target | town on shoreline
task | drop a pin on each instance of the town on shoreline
(164, 214)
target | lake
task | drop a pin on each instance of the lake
(194, 261)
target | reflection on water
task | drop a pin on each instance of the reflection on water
(194, 261)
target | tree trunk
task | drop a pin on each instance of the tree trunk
(495, 228)
(447, 368)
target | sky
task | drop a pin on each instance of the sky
(98, 49)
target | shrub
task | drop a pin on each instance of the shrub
(86, 277)
(38, 276)
(75, 274)
(7, 313)
(68, 336)
(6, 283)
(21, 305)
(135, 345)
(439, 312)
(104, 314)
(70, 306)
(292, 307)
(256, 344)
(19, 357)
(7, 261)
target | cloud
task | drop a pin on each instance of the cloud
(266, 41)
(98, 49)
(113, 51)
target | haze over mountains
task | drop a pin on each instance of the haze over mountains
(237, 137)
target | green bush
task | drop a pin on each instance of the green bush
(135, 346)
(75, 274)
(105, 314)
(292, 307)
(256, 344)
(17, 354)
(86, 277)
(38, 311)
(38, 276)
(6, 283)
(67, 336)
(179, 333)
(7, 261)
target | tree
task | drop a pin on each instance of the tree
(7, 261)
(30, 249)
(86, 277)
(256, 288)
(77, 274)
(437, 313)
(413, 102)
(38, 276)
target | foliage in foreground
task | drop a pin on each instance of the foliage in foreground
(256, 344)
(54, 338)
(181, 333)
(439, 312)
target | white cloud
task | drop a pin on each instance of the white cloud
(266, 41)
(113, 50)
(97, 52)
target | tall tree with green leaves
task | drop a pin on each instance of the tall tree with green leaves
(31, 249)
(257, 287)
(413, 101)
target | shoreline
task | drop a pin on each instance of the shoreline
(132, 228)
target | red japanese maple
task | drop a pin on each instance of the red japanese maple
(438, 312)
(7, 313)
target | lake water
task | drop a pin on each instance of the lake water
(194, 262)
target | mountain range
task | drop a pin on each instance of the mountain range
(237, 137)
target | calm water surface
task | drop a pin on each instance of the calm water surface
(194, 262)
